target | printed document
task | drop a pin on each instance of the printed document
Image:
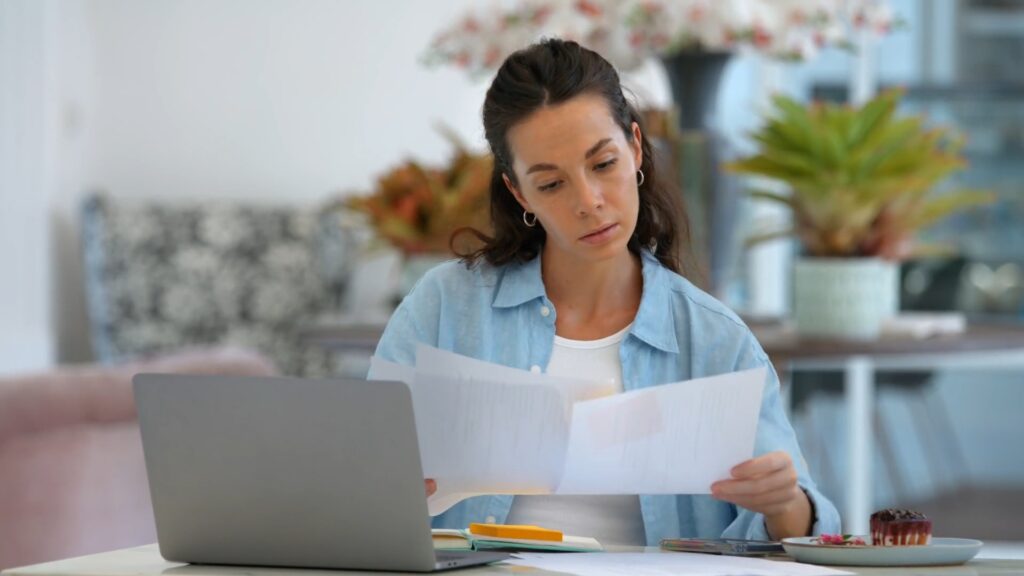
(484, 428)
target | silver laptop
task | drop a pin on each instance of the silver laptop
(288, 472)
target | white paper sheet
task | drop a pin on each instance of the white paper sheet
(672, 439)
(484, 428)
(430, 360)
(490, 429)
(480, 435)
(665, 564)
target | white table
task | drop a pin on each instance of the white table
(146, 561)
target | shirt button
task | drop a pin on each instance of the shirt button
(545, 311)
(490, 520)
(535, 369)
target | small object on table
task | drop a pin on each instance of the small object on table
(725, 546)
(841, 540)
(896, 527)
(941, 551)
(920, 325)
(536, 539)
(521, 531)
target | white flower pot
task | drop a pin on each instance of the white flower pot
(845, 298)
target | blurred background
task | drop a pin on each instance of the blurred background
(144, 143)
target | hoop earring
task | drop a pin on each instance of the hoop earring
(641, 182)
(529, 223)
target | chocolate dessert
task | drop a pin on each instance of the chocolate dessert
(894, 527)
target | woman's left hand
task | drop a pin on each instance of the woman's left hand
(765, 484)
(768, 484)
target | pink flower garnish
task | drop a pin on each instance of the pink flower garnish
(841, 540)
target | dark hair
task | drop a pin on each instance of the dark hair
(548, 73)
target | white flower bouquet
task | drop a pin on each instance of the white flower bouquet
(627, 32)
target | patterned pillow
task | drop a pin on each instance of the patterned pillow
(160, 277)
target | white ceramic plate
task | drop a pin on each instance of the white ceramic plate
(941, 551)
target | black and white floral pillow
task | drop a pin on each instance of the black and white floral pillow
(161, 277)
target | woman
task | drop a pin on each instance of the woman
(581, 278)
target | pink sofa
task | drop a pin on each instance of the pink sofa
(72, 477)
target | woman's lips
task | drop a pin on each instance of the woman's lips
(601, 234)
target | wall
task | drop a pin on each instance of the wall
(25, 163)
(268, 100)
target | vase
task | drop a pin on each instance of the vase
(709, 196)
(844, 298)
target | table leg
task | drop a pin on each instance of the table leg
(859, 387)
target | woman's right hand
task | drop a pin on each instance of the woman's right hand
(431, 486)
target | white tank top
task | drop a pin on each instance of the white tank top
(610, 519)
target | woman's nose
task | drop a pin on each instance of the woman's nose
(589, 198)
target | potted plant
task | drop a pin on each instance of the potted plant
(861, 183)
(415, 208)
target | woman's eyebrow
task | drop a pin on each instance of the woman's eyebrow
(539, 167)
(593, 150)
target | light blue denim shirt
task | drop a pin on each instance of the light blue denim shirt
(503, 315)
